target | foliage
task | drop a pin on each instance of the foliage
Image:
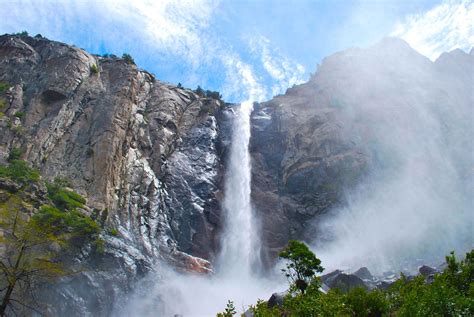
(20, 114)
(450, 293)
(113, 232)
(64, 198)
(94, 69)
(33, 242)
(4, 86)
(128, 58)
(19, 171)
(301, 266)
(25, 259)
(213, 94)
(229, 310)
(366, 304)
(72, 224)
(15, 154)
(22, 33)
(208, 93)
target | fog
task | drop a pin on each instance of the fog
(414, 205)
(169, 293)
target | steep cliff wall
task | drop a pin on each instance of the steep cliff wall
(385, 109)
(147, 156)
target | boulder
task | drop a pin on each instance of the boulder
(277, 299)
(427, 270)
(343, 281)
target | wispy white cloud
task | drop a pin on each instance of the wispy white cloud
(284, 71)
(165, 31)
(241, 79)
(177, 26)
(445, 27)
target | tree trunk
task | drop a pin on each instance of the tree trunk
(11, 283)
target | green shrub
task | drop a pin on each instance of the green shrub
(451, 293)
(128, 58)
(113, 232)
(20, 114)
(2, 115)
(366, 304)
(22, 33)
(15, 154)
(19, 171)
(229, 310)
(4, 86)
(63, 198)
(94, 69)
(58, 222)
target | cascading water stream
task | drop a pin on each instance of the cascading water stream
(239, 241)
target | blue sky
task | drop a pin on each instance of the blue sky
(245, 49)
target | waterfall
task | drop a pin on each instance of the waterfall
(237, 265)
(239, 241)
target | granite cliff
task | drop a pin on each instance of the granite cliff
(149, 157)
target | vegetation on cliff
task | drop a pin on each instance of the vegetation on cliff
(35, 234)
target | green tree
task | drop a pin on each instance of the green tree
(26, 257)
(301, 265)
(128, 58)
(229, 310)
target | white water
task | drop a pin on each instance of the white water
(194, 295)
(240, 243)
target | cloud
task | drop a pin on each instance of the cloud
(283, 71)
(176, 39)
(178, 27)
(445, 27)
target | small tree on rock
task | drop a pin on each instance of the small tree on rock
(301, 265)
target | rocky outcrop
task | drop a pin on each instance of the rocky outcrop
(320, 139)
(148, 156)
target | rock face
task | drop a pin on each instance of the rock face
(315, 143)
(148, 157)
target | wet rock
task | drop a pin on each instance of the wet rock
(342, 281)
(147, 156)
(427, 270)
(277, 299)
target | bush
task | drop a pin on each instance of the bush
(4, 86)
(128, 58)
(94, 69)
(363, 303)
(15, 154)
(20, 114)
(22, 33)
(19, 171)
(58, 222)
(450, 294)
(229, 310)
(63, 198)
